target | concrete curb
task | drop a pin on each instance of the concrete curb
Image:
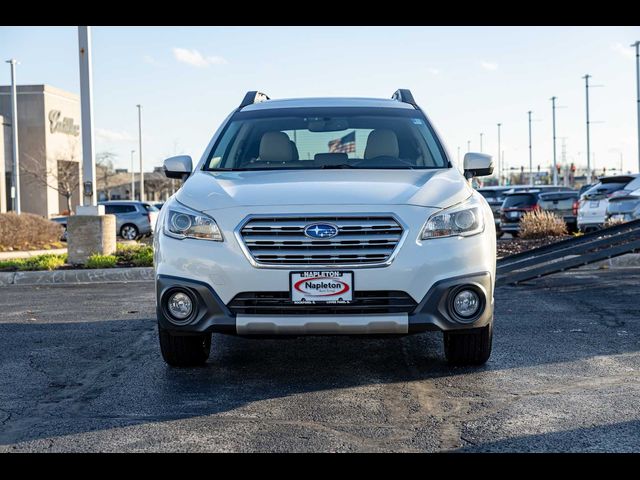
(104, 275)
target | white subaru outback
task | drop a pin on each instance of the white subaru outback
(325, 216)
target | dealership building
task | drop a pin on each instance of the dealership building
(50, 149)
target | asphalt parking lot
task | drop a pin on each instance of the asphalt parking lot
(80, 370)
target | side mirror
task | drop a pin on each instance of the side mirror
(477, 165)
(178, 167)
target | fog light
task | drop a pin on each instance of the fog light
(180, 305)
(466, 303)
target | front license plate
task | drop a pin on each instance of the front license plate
(514, 214)
(321, 287)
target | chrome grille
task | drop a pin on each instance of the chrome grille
(361, 240)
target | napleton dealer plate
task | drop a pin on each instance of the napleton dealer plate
(321, 287)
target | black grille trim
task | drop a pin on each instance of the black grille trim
(364, 302)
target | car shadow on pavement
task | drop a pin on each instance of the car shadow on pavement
(60, 379)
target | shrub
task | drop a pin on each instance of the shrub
(541, 224)
(27, 231)
(612, 222)
(143, 257)
(101, 261)
(47, 261)
(138, 255)
(10, 264)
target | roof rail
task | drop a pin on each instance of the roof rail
(253, 97)
(404, 95)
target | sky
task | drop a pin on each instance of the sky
(467, 79)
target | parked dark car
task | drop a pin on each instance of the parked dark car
(563, 204)
(495, 197)
(133, 219)
(514, 206)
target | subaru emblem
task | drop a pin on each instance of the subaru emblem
(321, 230)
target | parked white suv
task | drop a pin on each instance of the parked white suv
(325, 216)
(592, 207)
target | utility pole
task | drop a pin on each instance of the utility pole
(140, 152)
(133, 178)
(86, 107)
(481, 134)
(499, 161)
(15, 184)
(564, 161)
(586, 86)
(530, 155)
(553, 114)
(637, 45)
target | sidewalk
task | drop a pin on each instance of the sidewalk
(30, 253)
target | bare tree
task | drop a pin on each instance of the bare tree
(64, 177)
(156, 182)
(105, 172)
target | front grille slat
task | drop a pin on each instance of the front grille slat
(361, 240)
(364, 302)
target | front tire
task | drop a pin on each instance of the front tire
(184, 350)
(468, 347)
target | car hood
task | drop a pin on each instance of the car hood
(432, 188)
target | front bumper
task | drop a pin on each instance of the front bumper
(432, 313)
(220, 271)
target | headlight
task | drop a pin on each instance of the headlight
(182, 222)
(463, 220)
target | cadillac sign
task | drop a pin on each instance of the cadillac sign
(64, 125)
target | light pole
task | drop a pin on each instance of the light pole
(553, 116)
(468, 146)
(499, 162)
(86, 108)
(637, 45)
(15, 184)
(133, 178)
(481, 134)
(530, 155)
(458, 155)
(140, 152)
(586, 86)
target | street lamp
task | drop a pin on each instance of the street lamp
(530, 155)
(586, 86)
(15, 178)
(637, 45)
(86, 109)
(499, 162)
(468, 146)
(553, 116)
(140, 152)
(133, 178)
(481, 134)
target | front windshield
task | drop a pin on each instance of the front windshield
(318, 141)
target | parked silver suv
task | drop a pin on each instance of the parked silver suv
(133, 219)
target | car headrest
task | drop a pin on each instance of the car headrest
(275, 147)
(382, 143)
(294, 151)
